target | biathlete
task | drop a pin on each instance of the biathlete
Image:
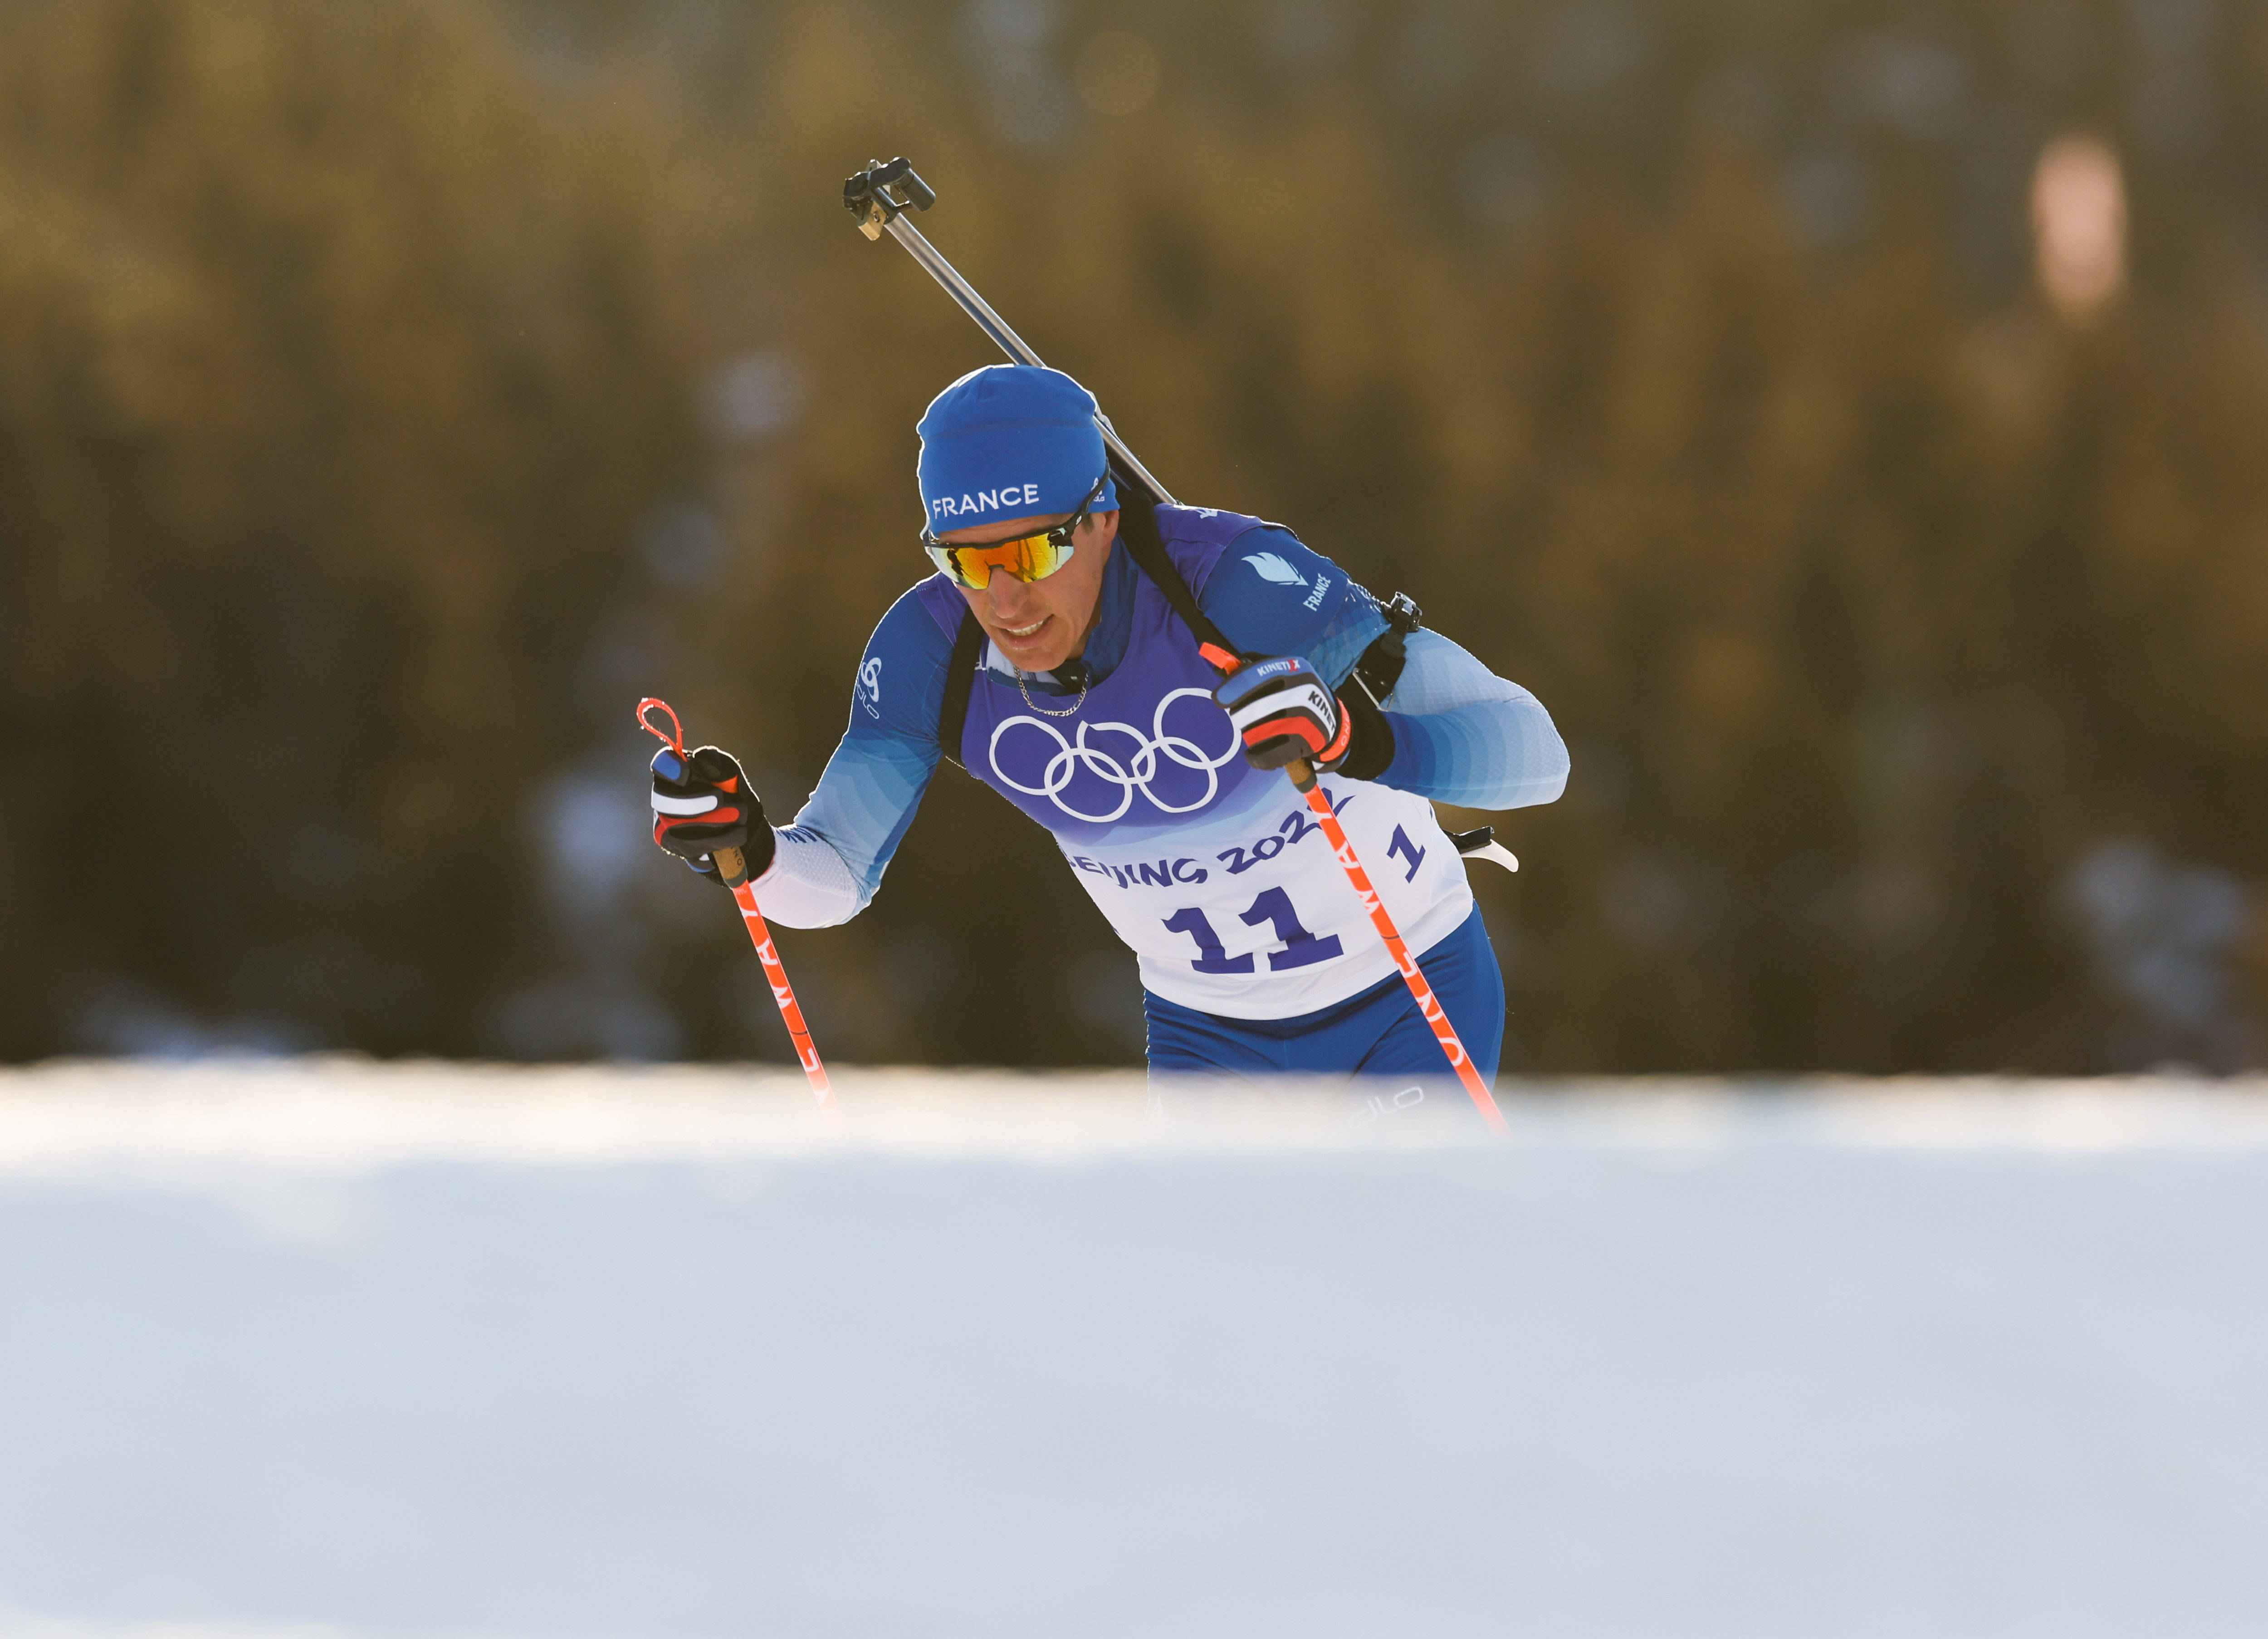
(1070, 653)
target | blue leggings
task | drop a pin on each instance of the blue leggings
(1378, 1031)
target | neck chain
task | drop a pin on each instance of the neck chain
(1070, 710)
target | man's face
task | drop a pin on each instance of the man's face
(1040, 624)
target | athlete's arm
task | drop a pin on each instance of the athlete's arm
(1462, 734)
(831, 860)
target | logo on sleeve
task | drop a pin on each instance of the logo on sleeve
(1274, 571)
(870, 686)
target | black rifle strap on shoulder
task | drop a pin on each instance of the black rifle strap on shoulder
(960, 678)
(1137, 527)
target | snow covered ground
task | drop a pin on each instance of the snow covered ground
(328, 1348)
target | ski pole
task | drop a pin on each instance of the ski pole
(732, 866)
(1421, 990)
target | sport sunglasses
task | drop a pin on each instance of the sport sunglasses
(1026, 557)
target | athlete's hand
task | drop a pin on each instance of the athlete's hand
(702, 804)
(1282, 711)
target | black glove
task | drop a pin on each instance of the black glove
(703, 804)
(1282, 710)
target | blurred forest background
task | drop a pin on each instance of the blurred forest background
(1848, 418)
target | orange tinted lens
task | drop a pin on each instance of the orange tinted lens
(1029, 558)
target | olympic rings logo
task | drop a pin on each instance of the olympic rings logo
(1071, 756)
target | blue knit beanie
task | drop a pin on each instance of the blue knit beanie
(1010, 441)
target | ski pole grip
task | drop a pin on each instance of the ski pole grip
(732, 866)
(1302, 772)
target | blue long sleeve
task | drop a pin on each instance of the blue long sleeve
(831, 859)
(1463, 735)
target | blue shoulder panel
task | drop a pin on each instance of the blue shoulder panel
(1273, 596)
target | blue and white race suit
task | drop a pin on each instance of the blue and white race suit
(1212, 872)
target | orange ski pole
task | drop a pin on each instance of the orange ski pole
(1303, 775)
(733, 868)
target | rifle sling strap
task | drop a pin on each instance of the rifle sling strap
(1137, 526)
(960, 678)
